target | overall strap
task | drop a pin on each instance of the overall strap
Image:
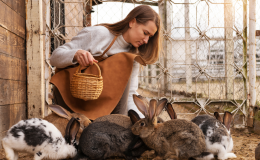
(109, 46)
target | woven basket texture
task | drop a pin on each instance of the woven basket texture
(86, 86)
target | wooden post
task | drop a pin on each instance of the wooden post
(35, 60)
(229, 46)
(252, 61)
(187, 48)
(245, 52)
(165, 12)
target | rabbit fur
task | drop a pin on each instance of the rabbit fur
(114, 138)
(217, 134)
(41, 138)
(60, 118)
(176, 138)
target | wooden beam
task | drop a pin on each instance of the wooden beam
(229, 48)
(35, 58)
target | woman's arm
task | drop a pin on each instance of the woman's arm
(63, 55)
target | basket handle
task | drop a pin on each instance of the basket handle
(99, 71)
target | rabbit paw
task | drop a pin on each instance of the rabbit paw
(157, 158)
(148, 154)
(231, 155)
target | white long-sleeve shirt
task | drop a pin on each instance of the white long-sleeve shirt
(95, 40)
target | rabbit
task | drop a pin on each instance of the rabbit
(176, 138)
(41, 138)
(217, 134)
(125, 121)
(136, 148)
(106, 137)
(60, 118)
(114, 138)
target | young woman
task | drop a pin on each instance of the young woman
(139, 34)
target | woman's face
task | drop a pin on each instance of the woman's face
(139, 34)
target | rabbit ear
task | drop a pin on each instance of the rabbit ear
(133, 116)
(143, 99)
(72, 130)
(171, 111)
(160, 105)
(140, 105)
(227, 118)
(216, 114)
(152, 107)
(60, 111)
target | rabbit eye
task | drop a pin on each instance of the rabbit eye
(142, 124)
(158, 121)
(78, 118)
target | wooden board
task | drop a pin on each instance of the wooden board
(12, 68)
(11, 20)
(10, 115)
(12, 44)
(12, 92)
(17, 113)
(2, 135)
(17, 5)
(4, 117)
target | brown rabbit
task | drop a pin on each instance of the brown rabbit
(60, 118)
(176, 138)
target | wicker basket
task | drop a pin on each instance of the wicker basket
(86, 86)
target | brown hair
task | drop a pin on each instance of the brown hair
(143, 13)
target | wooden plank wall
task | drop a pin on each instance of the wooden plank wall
(12, 64)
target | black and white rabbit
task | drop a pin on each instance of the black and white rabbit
(41, 138)
(217, 134)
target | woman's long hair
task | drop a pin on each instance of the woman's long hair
(143, 13)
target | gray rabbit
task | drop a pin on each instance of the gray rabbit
(110, 136)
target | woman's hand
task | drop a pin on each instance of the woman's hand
(84, 58)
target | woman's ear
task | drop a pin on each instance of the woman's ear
(132, 23)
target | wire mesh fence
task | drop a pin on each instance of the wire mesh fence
(202, 68)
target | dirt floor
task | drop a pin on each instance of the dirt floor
(244, 146)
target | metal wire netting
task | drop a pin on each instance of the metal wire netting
(202, 68)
